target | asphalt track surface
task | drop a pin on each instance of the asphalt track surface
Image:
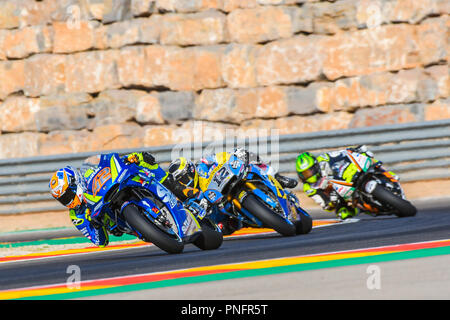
(431, 223)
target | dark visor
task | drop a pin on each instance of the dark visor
(308, 173)
(67, 197)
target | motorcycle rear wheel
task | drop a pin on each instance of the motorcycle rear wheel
(269, 218)
(403, 208)
(151, 232)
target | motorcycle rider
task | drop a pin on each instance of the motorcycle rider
(207, 163)
(68, 186)
(197, 177)
(314, 172)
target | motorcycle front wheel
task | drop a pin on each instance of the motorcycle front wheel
(150, 232)
(402, 207)
(268, 217)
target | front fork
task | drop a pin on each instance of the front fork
(236, 202)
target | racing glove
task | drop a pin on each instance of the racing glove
(362, 149)
(137, 158)
(242, 155)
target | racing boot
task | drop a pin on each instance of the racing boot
(286, 182)
(346, 212)
(230, 225)
(116, 232)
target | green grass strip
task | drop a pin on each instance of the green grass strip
(33, 230)
(63, 241)
(420, 253)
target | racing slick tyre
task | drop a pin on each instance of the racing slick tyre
(210, 238)
(304, 225)
(269, 218)
(402, 207)
(151, 232)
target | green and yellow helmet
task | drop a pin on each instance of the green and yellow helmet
(307, 167)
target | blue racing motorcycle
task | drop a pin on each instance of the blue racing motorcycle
(241, 190)
(132, 201)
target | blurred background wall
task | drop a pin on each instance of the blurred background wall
(87, 75)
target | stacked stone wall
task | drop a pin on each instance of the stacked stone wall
(88, 75)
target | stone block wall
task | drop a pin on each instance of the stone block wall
(85, 75)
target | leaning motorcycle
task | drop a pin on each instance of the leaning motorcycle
(132, 201)
(371, 188)
(243, 191)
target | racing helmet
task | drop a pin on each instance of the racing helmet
(184, 171)
(307, 167)
(66, 187)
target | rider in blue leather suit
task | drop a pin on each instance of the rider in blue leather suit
(68, 186)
